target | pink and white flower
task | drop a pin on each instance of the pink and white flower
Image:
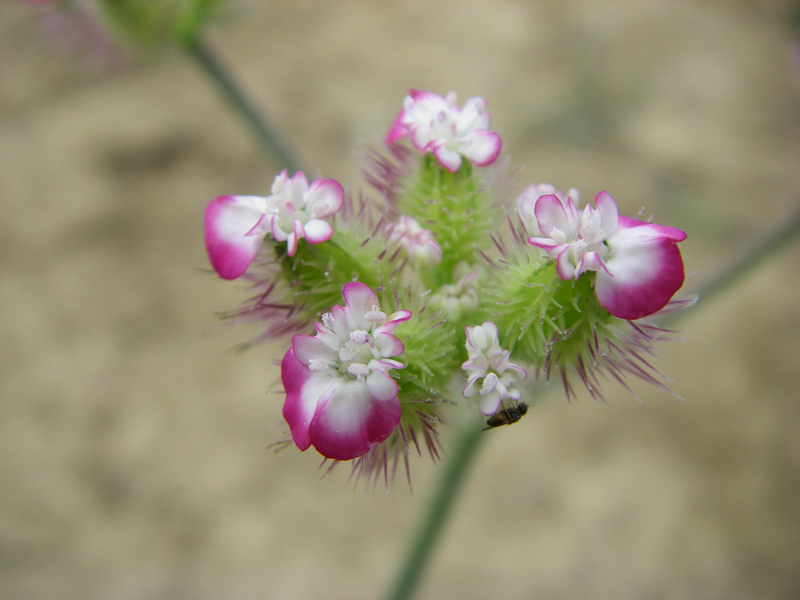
(438, 125)
(340, 397)
(489, 363)
(422, 248)
(235, 226)
(526, 203)
(639, 266)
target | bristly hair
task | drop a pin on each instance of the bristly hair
(565, 331)
(382, 461)
(288, 306)
(386, 169)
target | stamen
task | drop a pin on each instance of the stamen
(359, 336)
(375, 316)
(489, 384)
(318, 364)
(360, 370)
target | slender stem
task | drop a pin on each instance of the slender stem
(267, 137)
(464, 449)
(754, 254)
(751, 256)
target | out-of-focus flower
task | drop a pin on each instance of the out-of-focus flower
(80, 27)
(419, 243)
(639, 266)
(236, 225)
(113, 30)
(438, 125)
(489, 364)
(340, 397)
(461, 299)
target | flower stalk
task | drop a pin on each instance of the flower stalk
(753, 255)
(268, 138)
(463, 450)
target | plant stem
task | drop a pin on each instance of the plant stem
(464, 448)
(751, 256)
(266, 136)
(754, 254)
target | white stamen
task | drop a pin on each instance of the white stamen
(490, 383)
(375, 315)
(318, 364)
(359, 370)
(359, 336)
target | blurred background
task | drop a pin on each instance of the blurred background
(132, 437)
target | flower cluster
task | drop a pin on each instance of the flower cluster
(489, 363)
(441, 281)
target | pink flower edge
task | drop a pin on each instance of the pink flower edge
(231, 239)
(327, 406)
(341, 421)
(643, 280)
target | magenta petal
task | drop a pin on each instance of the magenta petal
(317, 231)
(546, 244)
(393, 320)
(640, 230)
(482, 147)
(307, 348)
(490, 403)
(398, 130)
(359, 299)
(293, 238)
(351, 422)
(641, 278)
(422, 95)
(388, 345)
(324, 197)
(303, 392)
(609, 215)
(471, 389)
(550, 213)
(590, 261)
(564, 267)
(449, 159)
(380, 385)
(230, 240)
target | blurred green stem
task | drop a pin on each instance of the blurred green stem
(466, 439)
(751, 256)
(267, 137)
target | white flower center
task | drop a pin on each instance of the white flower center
(489, 384)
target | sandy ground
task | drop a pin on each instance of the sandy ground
(132, 460)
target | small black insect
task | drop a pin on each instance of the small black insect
(507, 416)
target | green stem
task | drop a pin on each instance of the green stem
(751, 256)
(266, 136)
(464, 448)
